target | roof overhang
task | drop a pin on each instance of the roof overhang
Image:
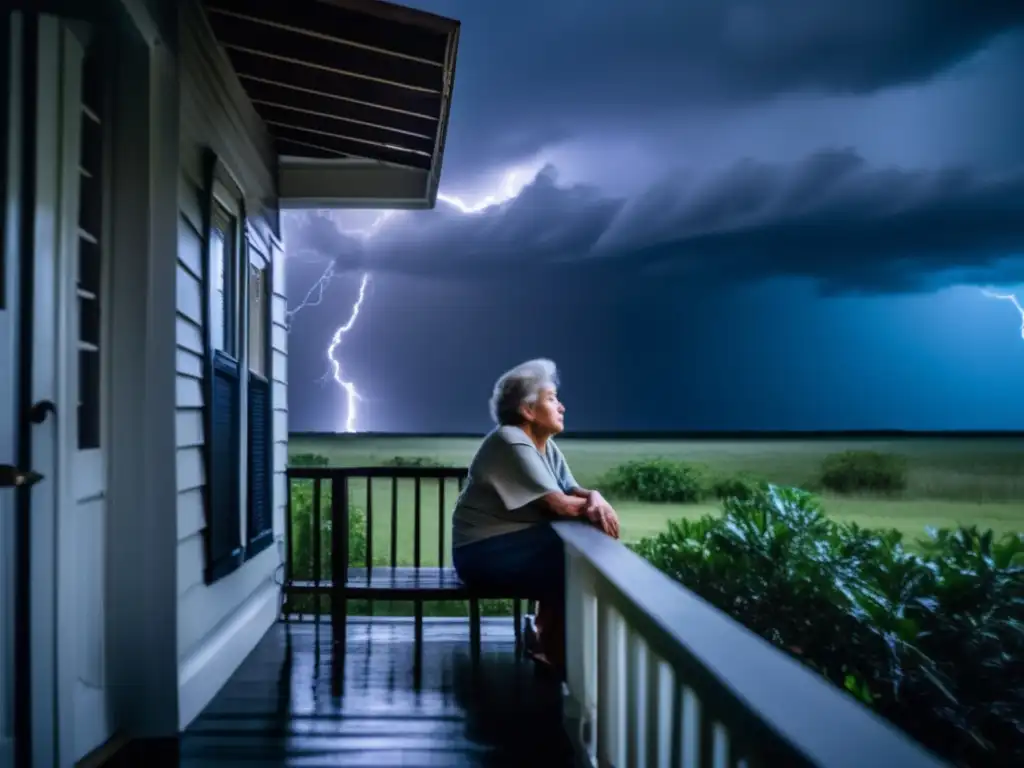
(356, 94)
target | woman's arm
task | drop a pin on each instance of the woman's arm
(564, 505)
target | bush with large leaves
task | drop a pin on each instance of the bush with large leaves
(931, 638)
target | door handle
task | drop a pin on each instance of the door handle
(12, 477)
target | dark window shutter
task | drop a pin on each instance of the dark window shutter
(223, 524)
(260, 525)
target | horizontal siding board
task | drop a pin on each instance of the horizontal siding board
(191, 208)
(189, 392)
(278, 274)
(189, 335)
(280, 396)
(278, 310)
(280, 490)
(189, 296)
(191, 554)
(190, 249)
(191, 517)
(280, 422)
(279, 338)
(191, 473)
(189, 363)
(188, 426)
(279, 361)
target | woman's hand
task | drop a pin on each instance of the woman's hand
(601, 514)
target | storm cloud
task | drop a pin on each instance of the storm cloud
(831, 217)
(533, 72)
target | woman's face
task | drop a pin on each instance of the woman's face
(547, 414)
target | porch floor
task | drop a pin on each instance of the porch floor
(280, 707)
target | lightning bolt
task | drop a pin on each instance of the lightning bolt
(314, 295)
(1012, 298)
(352, 396)
(512, 184)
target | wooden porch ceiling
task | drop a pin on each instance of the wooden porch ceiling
(344, 79)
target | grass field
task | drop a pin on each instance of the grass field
(951, 481)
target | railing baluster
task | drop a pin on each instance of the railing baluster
(440, 522)
(289, 547)
(369, 525)
(369, 538)
(690, 730)
(637, 692)
(394, 521)
(314, 535)
(720, 757)
(416, 524)
(660, 685)
(339, 539)
(339, 572)
(611, 694)
(620, 682)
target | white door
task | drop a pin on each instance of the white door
(52, 523)
(81, 376)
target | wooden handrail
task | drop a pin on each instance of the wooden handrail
(427, 473)
(666, 659)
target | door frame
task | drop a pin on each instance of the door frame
(13, 558)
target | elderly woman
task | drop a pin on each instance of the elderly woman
(518, 484)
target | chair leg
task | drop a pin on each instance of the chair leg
(517, 618)
(474, 628)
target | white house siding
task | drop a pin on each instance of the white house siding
(220, 623)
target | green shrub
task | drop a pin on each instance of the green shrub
(932, 641)
(412, 461)
(864, 471)
(302, 531)
(307, 460)
(739, 486)
(655, 480)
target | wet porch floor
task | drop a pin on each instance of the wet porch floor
(281, 709)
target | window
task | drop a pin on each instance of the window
(238, 415)
(224, 401)
(260, 523)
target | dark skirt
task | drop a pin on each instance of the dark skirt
(529, 563)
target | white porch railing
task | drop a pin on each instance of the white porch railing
(657, 677)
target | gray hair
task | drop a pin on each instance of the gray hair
(521, 385)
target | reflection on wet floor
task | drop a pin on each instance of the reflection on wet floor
(280, 707)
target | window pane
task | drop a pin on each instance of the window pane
(225, 259)
(218, 320)
(259, 318)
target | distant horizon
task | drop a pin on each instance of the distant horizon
(700, 434)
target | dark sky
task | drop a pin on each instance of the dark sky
(741, 214)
